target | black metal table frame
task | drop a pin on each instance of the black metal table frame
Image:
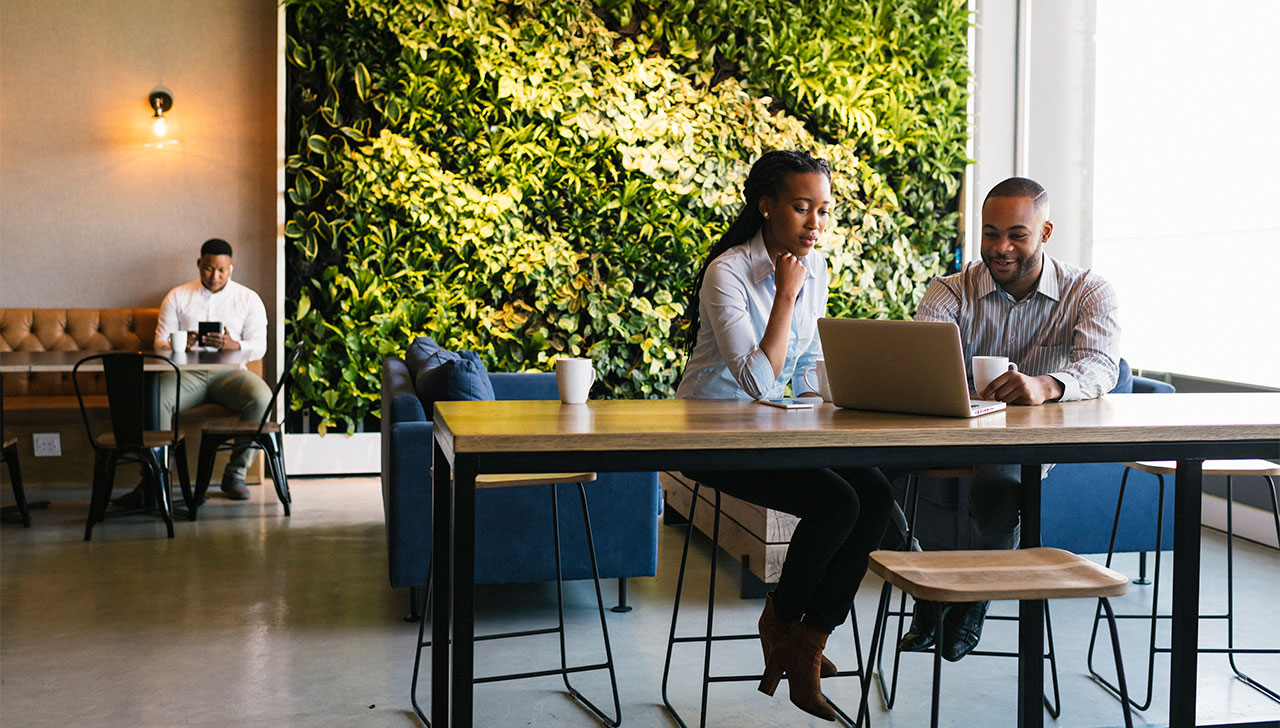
(453, 538)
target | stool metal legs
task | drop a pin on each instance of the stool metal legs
(564, 668)
(1232, 650)
(708, 637)
(604, 627)
(1152, 650)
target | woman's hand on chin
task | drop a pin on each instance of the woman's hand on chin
(788, 276)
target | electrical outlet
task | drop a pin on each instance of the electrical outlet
(47, 444)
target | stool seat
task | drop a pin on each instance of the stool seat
(980, 576)
(1210, 467)
(237, 426)
(150, 438)
(515, 480)
(507, 480)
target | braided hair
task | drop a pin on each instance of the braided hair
(766, 179)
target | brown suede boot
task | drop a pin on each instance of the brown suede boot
(799, 655)
(774, 628)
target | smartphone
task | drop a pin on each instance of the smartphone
(790, 402)
(209, 327)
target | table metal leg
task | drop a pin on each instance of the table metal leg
(1186, 594)
(441, 555)
(1030, 613)
(464, 572)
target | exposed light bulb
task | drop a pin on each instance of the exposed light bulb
(161, 100)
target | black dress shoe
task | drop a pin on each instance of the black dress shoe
(923, 623)
(234, 488)
(962, 629)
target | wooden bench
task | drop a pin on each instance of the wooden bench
(754, 535)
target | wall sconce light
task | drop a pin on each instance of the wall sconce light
(160, 100)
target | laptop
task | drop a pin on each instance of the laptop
(916, 367)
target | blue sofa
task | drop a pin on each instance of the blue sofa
(514, 537)
(1077, 507)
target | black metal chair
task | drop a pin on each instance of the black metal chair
(10, 457)
(554, 480)
(224, 433)
(20, 511)
(128, 441)
(1230, 469)
(888, 694)
(9, 454)
(709, 637)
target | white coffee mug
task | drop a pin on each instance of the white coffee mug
(178, 340)
(987, 368)
(823, 385)
(574, 378)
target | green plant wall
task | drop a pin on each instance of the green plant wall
(540, 179)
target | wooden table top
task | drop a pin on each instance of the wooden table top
(671, 424)
(64, 361)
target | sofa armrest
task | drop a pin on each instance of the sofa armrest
(524, 385)
(400, 401)
(397, 390)
(406, 500)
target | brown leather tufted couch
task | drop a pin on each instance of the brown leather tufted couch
(46, 401)
(71, 329)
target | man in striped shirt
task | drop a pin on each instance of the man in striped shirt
(1057, 322)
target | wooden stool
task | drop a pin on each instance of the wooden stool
(889, 694)
(552, 479)
(979, 576)
(708, 637)
(1230, 469)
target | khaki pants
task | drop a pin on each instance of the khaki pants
(239, 390)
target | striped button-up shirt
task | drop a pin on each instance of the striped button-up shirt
(1065, 328)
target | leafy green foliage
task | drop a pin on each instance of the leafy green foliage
(542, 179)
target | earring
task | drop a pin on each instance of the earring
(766, 216)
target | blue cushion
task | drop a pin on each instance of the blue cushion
(462, 378)
(424, 353)
(1124, 379)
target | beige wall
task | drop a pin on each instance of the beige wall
(89, 216)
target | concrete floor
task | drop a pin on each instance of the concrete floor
(248, 618)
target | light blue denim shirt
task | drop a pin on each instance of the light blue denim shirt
(735, 301)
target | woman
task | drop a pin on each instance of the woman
(754, 329)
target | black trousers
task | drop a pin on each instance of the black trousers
(842, 519)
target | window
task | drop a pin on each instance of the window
(1187, 185)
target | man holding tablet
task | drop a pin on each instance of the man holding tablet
(1056, 322)
(217, 314)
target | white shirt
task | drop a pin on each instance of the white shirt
(237, 308)
(734, 305)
